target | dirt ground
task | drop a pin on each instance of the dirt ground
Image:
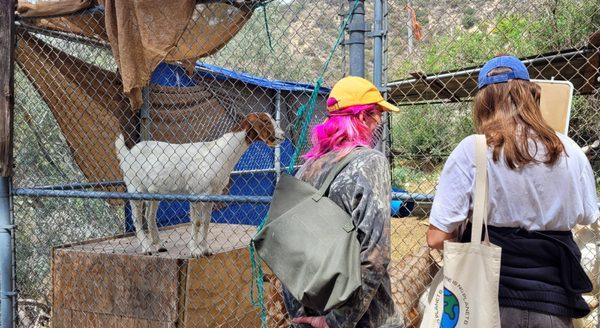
(408, 235)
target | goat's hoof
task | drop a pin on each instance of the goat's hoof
(146, 248)
(199, 253)
(159, 247)
(153, 249)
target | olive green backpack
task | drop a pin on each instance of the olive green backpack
(310, 243)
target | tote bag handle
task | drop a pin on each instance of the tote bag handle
(480, 206)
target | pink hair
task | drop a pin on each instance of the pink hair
(341, 132)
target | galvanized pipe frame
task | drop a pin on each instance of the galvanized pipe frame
(32, 192)
(7, 284)
(90, 194)
(379, 34)
(356, 39)
(118, 183)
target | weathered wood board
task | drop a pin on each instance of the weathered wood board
(107, 282)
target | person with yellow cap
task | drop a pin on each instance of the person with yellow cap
(363, 190)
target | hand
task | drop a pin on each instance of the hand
(315, 322)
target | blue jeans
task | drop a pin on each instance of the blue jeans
(516, 318)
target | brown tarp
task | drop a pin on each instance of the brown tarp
(28, 8)
(91, 109)
(190, 114)
(143, 33)
(86, 102)
(90, 24)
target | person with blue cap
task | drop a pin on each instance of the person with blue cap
(541, 185)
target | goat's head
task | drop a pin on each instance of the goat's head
(262, 127)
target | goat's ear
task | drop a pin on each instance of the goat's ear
(267, 130)
(248, 121)
(250, 124)
(252, 117)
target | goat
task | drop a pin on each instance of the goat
(192, 168)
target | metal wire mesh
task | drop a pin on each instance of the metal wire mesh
(78, 260)
(432, 48)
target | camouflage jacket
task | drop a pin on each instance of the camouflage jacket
(362, 189)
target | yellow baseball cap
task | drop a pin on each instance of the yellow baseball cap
(353, 91)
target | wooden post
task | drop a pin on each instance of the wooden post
(7, 43)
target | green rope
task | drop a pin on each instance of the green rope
(263, 5)
(257, 278)
(311, 104)
(304, 114)
(313, 97)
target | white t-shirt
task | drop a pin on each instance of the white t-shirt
(534, 197)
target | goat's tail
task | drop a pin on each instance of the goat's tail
(122, 150)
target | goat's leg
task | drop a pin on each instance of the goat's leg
(200, 216)
(137, 214)
(205, 219)
(151, 210)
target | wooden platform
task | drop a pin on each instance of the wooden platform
(221, 238)
(107, 282)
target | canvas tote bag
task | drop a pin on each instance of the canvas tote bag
(310, 243)
(464, 293)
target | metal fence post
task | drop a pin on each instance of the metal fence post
(356, 39)
(378, 35)
(7, 42)
(6, 255)
(277, 151)
(145, 118)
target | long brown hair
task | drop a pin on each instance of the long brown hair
(509, 115)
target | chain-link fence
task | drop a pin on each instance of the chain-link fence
(87, 73)
(434, 51)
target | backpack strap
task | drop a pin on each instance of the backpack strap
(334, 173)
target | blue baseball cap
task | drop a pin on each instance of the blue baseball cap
(519, 71)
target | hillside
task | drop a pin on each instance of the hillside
(455, 34)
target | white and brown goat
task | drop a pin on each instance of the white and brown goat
(192, 168)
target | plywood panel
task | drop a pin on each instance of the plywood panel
(130, 286)
(218, 292)
(107, 283)
(82, 319)
(61, 317)
(555, 103)
(221, 238)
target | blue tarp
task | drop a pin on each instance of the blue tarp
(173, 75)
(220, 73)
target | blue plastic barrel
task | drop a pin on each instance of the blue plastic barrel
(401, 208)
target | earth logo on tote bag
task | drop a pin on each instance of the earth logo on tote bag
(452, 306)
(451, 310)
